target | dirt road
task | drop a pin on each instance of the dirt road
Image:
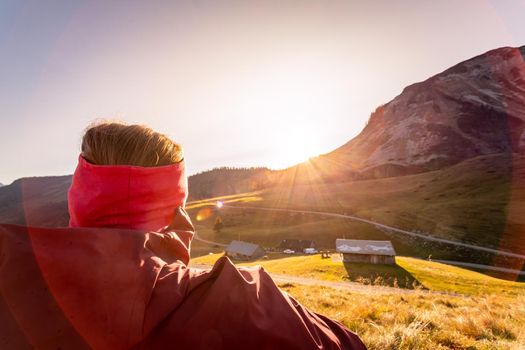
(355, 287)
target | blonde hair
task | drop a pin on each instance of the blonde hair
(116, 143)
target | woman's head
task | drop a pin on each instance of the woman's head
(115, 143)
(128, 176)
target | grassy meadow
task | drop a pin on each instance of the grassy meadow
(408, 273)
(469, 311)
(478, 201)
(421, 320)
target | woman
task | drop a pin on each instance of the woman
(118, 278)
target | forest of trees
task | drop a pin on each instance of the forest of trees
(228, 180)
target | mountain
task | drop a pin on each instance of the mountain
(474, 108)
(38, 201)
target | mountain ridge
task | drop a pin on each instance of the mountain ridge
(461, 108)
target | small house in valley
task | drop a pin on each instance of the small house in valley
(244, 250)
(365, 251)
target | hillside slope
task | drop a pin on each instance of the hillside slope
(223, 181)
(478, 201)
(37, 201)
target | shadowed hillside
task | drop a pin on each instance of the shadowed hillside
(37, 201)
(224, 181)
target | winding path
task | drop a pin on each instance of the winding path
(196, 237)
(348, 286)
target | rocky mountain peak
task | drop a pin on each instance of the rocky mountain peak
(474, 108)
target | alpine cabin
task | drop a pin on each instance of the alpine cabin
(365, 251)
(244, 250)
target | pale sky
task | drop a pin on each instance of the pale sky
(238, 83)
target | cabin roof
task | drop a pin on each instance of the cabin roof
(358, 246)
(243, 248)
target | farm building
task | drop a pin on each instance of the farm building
(297, 245)
(244, 250)
(363, 251)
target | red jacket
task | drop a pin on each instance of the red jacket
(120, 288)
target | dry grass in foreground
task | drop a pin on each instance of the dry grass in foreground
(421, 320)
(468, 310)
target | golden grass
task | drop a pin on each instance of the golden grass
(442, 277)
(421, 320)
(428, 274)
(488, 314)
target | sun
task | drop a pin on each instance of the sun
(295, 148)
(292, 99)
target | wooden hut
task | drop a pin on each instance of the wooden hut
(244, 250)
(365, 251)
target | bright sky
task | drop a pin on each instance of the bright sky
(238, 83)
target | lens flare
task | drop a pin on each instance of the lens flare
(203, 214)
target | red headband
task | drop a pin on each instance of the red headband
(124, 196)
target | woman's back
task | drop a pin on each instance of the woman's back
(118, 277)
